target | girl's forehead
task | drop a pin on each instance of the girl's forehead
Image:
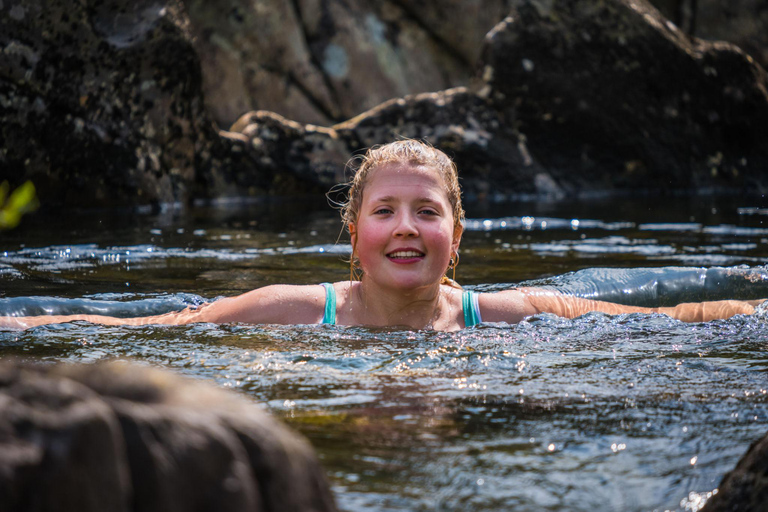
(404, 170)
(414, 184)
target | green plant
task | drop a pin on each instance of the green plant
(20, 201)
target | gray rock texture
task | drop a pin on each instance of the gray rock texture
(324, 61)
(745, 488)
(100, 104)
(122, 437)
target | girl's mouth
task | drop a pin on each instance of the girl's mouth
(405, 255)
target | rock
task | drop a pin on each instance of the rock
(100, 105)
(644, 109)
(741, 22)
(321, 62)
(299, 158)
(611, 96)
(254, 55)
(122, 437)
(370, 52)
(492, 159)
(745, 488)
(460, 25)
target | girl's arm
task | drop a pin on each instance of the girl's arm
(514, 305)
(276, 304)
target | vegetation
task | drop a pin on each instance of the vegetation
(20, 201)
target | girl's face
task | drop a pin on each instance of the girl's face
(404, 235)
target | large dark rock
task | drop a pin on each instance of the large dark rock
(101, 105)
(745, 488)
(121, 437)
(100, 102)
(314, 155)
(610, 95)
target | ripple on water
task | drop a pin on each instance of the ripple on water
(635, 412)
(507, 413)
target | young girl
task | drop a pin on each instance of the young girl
(404, 218)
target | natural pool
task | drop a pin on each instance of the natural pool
(630, 413)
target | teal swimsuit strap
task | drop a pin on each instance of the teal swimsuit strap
(471, 308)
(468, 303)
(330, 305)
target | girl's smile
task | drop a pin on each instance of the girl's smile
(405, 256)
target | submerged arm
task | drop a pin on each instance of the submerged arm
(514, 305)
(278, 304)
(185, 316)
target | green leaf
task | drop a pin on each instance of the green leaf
(22, 200)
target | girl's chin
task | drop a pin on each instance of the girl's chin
(409, 282)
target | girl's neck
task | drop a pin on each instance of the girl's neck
(378, 306)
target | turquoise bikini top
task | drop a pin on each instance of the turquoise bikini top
(469, 305)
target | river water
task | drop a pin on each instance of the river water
(630, 413)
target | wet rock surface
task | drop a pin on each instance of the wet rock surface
(745, 488)
(123, 437)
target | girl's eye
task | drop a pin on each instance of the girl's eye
(381, 211)
(428, 212)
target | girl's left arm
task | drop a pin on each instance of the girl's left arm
(275, 304)
(514, 305)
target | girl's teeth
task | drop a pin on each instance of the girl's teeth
(405, 254)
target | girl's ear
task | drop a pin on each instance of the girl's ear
(457, 232)
(352, 232)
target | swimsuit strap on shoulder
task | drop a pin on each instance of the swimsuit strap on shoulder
(330, 305)
(471, 308)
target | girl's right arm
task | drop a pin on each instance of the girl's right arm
(514, 305)
(276, 304)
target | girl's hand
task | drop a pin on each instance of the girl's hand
(706, 311)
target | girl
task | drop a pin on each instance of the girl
(404, 218)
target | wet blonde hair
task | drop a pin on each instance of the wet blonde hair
(412, 152)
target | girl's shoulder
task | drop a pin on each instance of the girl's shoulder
(278, 304)
(509, 306)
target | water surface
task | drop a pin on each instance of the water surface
(634, 412)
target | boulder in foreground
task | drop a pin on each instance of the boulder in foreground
(745, 488)
(121, 437)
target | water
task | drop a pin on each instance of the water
(635, 412)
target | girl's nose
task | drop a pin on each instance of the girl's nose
(406, 226)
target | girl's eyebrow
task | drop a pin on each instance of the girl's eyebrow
(390, 199)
